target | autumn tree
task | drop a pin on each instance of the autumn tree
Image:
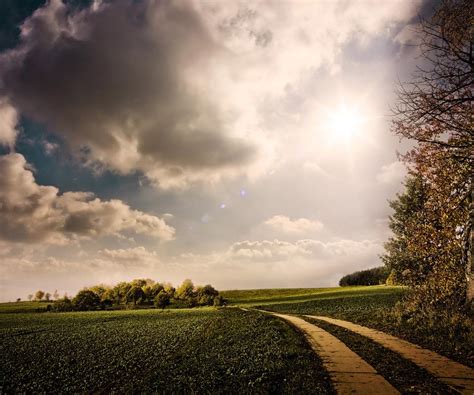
(435, 111)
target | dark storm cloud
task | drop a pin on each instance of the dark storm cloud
(122, 79)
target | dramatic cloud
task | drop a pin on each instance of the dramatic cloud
(125, 81)
(228, 107)
(32, 213)
(8, 122)
(286, 225)
(177, 89)
(394, 173)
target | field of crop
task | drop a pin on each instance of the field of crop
(23, 307)
(206, 349)
(199, 350)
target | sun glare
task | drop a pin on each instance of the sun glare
(344, 123)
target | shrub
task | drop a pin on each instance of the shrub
(64, 304)
(205, 295)
(86, 300)
(219, 301)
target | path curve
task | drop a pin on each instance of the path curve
(457, 376)
(349, 373)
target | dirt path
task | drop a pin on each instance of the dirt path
(454, 374)
(349, 372)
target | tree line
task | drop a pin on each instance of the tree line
(375, 276)
(136, 293)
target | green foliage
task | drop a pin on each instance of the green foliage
(135, 295)
(186, 290)
(86, 300)
(62, 305)
(426, 249)
(375, 276)
(162, 300)
(393, 278)
(205, 295)
(146, 351)
(141, 292)
(219, 301)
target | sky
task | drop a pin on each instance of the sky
(243, 144)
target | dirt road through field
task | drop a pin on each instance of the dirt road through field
(454, 374)
(349, 372)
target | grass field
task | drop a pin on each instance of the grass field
(297, 296)
(202, 349)
(199, 350)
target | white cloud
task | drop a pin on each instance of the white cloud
(8, 123)
(284, 224)
(49, 147)
(394, 173)
(34, 213)
(307, 248)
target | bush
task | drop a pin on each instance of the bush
(64, 304)
(219, 301)
(206, 295)
(86, 300)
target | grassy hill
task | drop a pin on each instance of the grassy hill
(267, 297)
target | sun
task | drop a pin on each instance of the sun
(344, 123)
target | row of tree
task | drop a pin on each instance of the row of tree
(140, 292)
(42, 296)
(432, 223)
(375, 276)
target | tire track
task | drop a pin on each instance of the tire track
(457, 376)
